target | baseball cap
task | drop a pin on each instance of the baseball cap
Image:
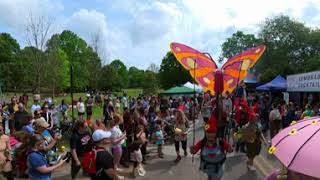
(100, 134)
(41, 122)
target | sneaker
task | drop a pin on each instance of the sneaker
(185, 153)
(161, 156)
(120, 177)
(178, 159)
(141, 171)
(251, 168)
(119, 169)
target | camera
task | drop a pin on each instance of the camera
(67, 157)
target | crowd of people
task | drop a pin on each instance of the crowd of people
(103, 147)
(121, 136)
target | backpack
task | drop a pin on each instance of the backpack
(89, 161)
(209, 164)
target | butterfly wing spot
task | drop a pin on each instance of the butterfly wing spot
(230, 81)
(258, 50)
(191, 63)
(178, 49)
(245, 64)
(206, 80)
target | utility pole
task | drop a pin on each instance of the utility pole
(71, 89)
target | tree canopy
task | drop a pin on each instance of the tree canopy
(291, 47)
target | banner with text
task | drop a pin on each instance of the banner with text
(306, 82)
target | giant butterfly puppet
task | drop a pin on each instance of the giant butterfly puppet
(218, 81)
(203, 68)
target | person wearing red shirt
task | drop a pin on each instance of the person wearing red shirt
(212, 151)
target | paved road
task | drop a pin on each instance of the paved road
(166, 169)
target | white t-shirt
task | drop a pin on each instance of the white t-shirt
(80, 107)
(275, 115)
(124, 102)
(35, 107)
(116, 133)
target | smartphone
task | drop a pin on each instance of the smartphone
(67, 157)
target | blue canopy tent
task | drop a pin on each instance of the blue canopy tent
(278, 84)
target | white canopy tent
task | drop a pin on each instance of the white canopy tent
(191, 85)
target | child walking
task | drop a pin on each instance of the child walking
(159, 140)
(135, 152)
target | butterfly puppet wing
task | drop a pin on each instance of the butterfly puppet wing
(200, 67)
(236, 68)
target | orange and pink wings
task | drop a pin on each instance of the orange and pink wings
(236, 68)
(200, 67)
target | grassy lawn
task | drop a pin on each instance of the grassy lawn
(97, 111)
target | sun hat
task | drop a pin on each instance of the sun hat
(100, 134)
(41, 122)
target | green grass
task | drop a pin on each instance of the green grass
(97, 111)
(130, 92)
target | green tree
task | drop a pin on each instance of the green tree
(121, 73)
(172, 73)
(58, 76)
(237, 43)
(287, 44)
(86, 62)
(108, 80)
(136, 77)
(28, 72)
(9, 51)
(150, 83)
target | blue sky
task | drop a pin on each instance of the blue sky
(139, 31)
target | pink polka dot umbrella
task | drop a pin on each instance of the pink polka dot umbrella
(298, 147)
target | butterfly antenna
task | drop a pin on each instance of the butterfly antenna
(208, 54)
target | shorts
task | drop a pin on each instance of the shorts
(117, 150)
(80, 113)
(89, 113)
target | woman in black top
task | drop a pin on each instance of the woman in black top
(47, 115)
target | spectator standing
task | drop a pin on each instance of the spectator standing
(5, 155)
(36, 104)
(89, 108)
(39, 168)
(81, 108)
(275, 120)
(19, 117)
(47, 116)
(80, 142)
(118, 138)
(124, 102)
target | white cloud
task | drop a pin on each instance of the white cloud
(13, 13)
(139, 32)
(154, 21)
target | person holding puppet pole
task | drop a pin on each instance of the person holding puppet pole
(212, 151)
